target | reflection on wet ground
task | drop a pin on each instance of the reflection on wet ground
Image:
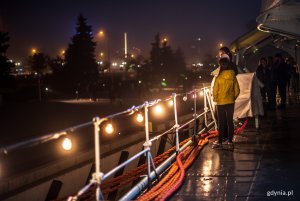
(264, 165)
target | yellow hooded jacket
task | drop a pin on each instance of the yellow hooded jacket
(226, 88)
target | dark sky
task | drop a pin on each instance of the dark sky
(48, 25)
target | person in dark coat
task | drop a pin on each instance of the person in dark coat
(282, 78)
(264, 75)
(272, 83)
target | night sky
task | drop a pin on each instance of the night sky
(48, 25)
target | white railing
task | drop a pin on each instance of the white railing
(98, 177)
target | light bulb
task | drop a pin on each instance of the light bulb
(109, 129)
(139, 118)
(67, 144)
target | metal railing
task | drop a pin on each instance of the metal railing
(98, 177)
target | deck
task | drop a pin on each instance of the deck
(264, 165)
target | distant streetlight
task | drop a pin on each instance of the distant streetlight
(101, 54)
(63, 52)
(221, 44)
(33, 51)
(165, 39)
(101, 33)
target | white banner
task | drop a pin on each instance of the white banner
(249, 102)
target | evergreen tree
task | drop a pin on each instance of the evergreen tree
(6, 80)
(165, 64)
(80, 64)
(179, 61)
(167, 60)
(39, 62)
(155, 53)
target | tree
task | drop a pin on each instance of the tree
(5, 66)
(80, 64)
(56, 64)
(155, 53)
(179, 61)
(165, 64)
(39, 62)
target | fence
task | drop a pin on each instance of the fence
(152, 172)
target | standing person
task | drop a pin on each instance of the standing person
(282, 78)
(225, 51)
(272, 84)
(295, 75)
(225, 91)
(263, 74)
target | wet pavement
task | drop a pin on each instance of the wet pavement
(265, 164)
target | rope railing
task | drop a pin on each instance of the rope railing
(98, 177)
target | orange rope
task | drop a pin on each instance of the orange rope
(171, 181)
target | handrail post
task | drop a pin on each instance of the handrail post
(205, 107)
(208, 96)
(147, 143)
(98, 174)
(176, 123)
(195, 114)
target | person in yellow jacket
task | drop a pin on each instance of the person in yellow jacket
(225, 91)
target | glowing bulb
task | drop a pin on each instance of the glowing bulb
(171, 103)
(158, 109)
(139, 118)
(67, 144)
(201, 93)
(194, 96)
(101, 33)
(184, 98)
(109, 129)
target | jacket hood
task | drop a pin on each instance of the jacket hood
(227, 75)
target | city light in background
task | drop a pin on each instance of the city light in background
(101, 33)
(33, 51)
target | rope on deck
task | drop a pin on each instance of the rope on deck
(175, 177)
(169, 183)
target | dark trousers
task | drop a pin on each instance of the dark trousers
(225, 121)
(282, 92)
(272, 96)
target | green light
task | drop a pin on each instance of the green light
(163, 84)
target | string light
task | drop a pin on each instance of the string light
(201, 93)
(109, 129)
(184, 98)
(171, 103)
(194, 96)
(67, 144)
(158, 109)
(139, 118)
